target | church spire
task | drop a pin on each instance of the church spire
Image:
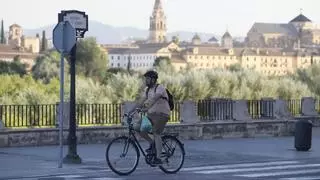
(157, 5)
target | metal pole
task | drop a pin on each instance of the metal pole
(72, 127)
(61, 106)
(61, 110)
(72, 156)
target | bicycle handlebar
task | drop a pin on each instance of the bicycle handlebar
(137, 110)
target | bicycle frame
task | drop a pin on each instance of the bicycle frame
(132, 133)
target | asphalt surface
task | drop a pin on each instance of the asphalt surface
(220, 159)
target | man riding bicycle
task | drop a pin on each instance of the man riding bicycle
(154, 101)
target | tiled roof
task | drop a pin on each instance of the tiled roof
(22, 55)
(226, 35)
(142, 50)
(246, 51)
(266, 28)
(301, 18)
(213, 39)
(8, 48)
(268, 52)
(213, 51)
(159, 45)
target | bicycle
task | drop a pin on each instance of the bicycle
(132, 141)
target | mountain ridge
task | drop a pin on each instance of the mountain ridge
(107, 34)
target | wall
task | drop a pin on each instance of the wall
(191, 131)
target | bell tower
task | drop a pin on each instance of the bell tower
(158, 24)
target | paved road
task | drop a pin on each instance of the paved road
(225, 159)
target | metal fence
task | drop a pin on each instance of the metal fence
(222, 109)
(215, 109)
(28, 115)
(45, 115)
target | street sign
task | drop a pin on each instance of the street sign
(64, 37)
(78, 19)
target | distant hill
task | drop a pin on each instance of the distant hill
(107, 34)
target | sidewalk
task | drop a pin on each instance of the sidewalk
(31, 161)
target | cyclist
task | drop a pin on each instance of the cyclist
(153, 101)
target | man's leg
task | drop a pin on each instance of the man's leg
(159, 122)
(146, 136)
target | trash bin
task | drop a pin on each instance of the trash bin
(303, 135)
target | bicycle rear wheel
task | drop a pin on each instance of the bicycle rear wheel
(119, 148)
(171, 148)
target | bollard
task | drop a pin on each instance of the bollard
(303, 135)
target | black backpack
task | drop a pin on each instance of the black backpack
(170, 100)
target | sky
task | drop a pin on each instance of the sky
(211, 16)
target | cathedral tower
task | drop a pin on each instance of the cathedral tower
(158, 24)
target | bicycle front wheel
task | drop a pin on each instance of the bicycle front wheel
(173, 154)
(122, 155)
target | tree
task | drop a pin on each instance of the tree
(44, 43)
(175, 39)
(163, 64)
(2, 37)
(129, 64)
(48, 67)
(15, 67)
(91, 59)
(235, 67)
(161, 58)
